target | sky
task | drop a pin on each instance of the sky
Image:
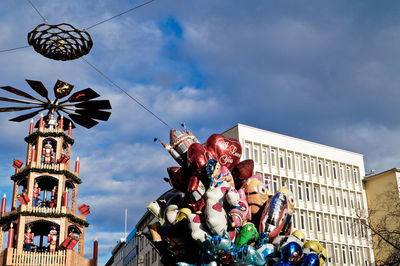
(324, 71)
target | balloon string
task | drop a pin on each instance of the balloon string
(120, 14)
(44, 19)
(12, 49)
(130, 96)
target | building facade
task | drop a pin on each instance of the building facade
(327, 187)
(383, 197)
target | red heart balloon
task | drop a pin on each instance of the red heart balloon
(242, 171)
(197, 157)
(226, 150)
(177, 178)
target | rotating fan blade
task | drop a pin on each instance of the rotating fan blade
(83, 121)
(83, 95)
(62, 89)
(100, 104)
(25, 116)
(20, 93)
(11, 109)
(17, 100)
(39, 88)
(95, 114)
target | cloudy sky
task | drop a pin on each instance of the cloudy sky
(325, 71)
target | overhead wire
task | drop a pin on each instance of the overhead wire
(12, 49)
(130, 96)
(120, 14)
(34, 7)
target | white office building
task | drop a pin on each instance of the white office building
(327, 187)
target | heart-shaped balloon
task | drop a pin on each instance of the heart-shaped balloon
(242, 171)
(178, 178)
(197, 158)
(226, 150)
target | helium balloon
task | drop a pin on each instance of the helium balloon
(311, 259)
(292, 252)
(275, 217)
(247, 255)
(248, 234)
(242, 171)
(197, 157)
(226, 151)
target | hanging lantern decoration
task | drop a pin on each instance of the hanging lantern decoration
(60, 42)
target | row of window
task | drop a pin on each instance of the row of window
(306, 164)
(347, 255)
(309, 192)
(328, 224)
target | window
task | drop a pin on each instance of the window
(348, 227)
(333, 225)
(352, 200)
(355, 229)
(348, 174)
(291, 186)
(341, 172)
(294, 220)
(302, 221)
(247, 151)
(264, 156)
(337, 260)
(310, 221)
(318, 221)
(319, 167)
(344, 255)
(327, 170)
(273, 157)
(312, 160)
(355, 175)
(300, 191)
(275, 185)
(316, 194)
(267, 181)
(289, 161)
(308, 192)
(281, 162)
(358, 252)
(256, 152)
(334, 171)
(337, 192)
(323, 192)
(284, 182)
(341, 226)
(345, 199)
(298, 169)
(305, 164)
(326, 225)
(330, 196)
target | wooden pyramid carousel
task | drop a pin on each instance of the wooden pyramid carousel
(43, 225)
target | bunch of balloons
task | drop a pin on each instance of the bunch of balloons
(218, 212)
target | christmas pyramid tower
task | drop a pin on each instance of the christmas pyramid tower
(45, 226)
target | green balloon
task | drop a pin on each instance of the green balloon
(247, 235)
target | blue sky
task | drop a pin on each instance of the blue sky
(325, 71)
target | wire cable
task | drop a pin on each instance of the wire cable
(12, 49)
(130, 96)
(44, 19)
(127, 11)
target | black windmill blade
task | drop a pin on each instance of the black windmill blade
(62, 89)
(79, 107)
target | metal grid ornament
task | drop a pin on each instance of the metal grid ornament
(60, 42)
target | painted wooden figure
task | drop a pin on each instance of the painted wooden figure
(52, 239)
(28, 236)
(36, 195)
(48, 153)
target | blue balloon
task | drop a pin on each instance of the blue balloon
(291, 252)
(311, 259)
(283, 263)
